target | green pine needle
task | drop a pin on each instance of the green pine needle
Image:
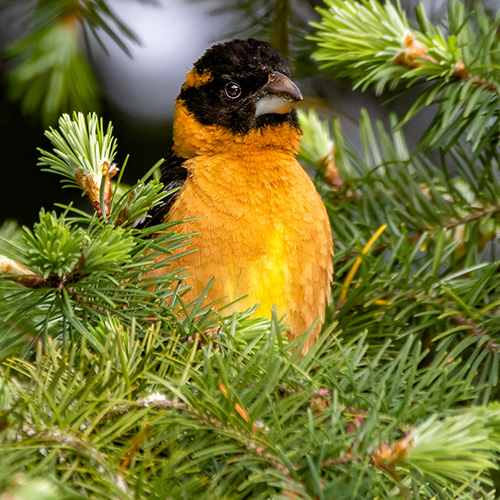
(52, 75)
(317, 142)
(457, 447)
(388, 49)
(81, 143)
(53, 247)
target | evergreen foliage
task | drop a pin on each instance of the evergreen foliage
(52, 74)
(113, 387)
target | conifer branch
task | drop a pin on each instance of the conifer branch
(52, 74)
(375, 45)
(415, 54)
(463, 75)
(68, 441)
(479, 213)
(83, 155)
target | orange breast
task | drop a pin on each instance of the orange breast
(263, 231)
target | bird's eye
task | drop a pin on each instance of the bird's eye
(233, 90)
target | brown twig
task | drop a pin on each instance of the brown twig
(480, 213)
(461, 73)
(136, 443)
(475, 330)
(17, 272)
(279, 30)
(155, 400)
(63, 439)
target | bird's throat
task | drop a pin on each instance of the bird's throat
(194, 139)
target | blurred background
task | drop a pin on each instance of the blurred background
(126, 59)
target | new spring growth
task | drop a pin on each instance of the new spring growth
(83, 153)
(15, 271)
(91, 184)
(413, 51)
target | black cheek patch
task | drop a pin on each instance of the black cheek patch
(209, 107)
(238, 116)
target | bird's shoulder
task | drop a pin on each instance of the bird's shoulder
(173, 175)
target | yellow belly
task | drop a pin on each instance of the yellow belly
(264, 274)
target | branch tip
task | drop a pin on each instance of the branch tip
(389, 456)
(413, 50)
(91, 184)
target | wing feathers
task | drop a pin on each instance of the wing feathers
(173, 175)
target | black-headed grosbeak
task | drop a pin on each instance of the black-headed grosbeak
(263, 231)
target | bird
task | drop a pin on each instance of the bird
(263, 232)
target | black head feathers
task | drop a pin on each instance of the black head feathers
(245, 57)
(241, 85)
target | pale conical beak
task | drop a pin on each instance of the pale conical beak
(281, 95)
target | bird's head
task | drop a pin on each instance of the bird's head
(237, 91)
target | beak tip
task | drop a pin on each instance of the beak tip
(281, 85)
(281, 95)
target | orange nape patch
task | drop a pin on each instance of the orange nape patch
(195, 79)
